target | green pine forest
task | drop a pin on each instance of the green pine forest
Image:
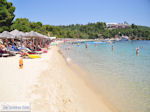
(86, 31)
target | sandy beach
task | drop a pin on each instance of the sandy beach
(49, 84)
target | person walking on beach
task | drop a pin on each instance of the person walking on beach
(20, 63)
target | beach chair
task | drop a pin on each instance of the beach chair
(5, 55)
(32, 56)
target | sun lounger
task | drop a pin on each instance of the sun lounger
(5, 55)
(34, 56)
(38, 52)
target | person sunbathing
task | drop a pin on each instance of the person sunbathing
(5, 53)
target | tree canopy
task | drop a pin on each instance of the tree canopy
(86, 31)
(6, 15)
(23, 24)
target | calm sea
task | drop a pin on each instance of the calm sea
(121, 76)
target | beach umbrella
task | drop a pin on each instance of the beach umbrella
(33, 34)
(46, 37)
(18, 34)
(37, 38)
(6, 35)
(42, 36)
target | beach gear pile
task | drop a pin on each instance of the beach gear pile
(27, 45)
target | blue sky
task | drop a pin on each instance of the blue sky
(64, 12)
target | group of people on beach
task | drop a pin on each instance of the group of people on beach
(28, 48)
(9, 47)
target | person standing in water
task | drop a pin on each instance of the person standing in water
(112, 47)
(86, 46)
(137, 50)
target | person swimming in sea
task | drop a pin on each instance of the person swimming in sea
(141, 47)
(95, 44)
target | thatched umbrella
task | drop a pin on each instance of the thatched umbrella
(33, 34)
(18, 34)
(6, 35)
(35, 37)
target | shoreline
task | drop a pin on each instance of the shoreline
(85, 76)
(51, 85)
(69, 89)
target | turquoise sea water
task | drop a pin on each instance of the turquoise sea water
(120, 75)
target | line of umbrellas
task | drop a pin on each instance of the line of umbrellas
(20, 35)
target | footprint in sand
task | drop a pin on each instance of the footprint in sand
(66, 101)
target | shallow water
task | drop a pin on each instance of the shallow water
(120, 75)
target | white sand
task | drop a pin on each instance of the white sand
(49, 84)
(15, 82)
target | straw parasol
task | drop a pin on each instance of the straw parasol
(6, 35)
(18, 34)
(33, 34)
(44, 36)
